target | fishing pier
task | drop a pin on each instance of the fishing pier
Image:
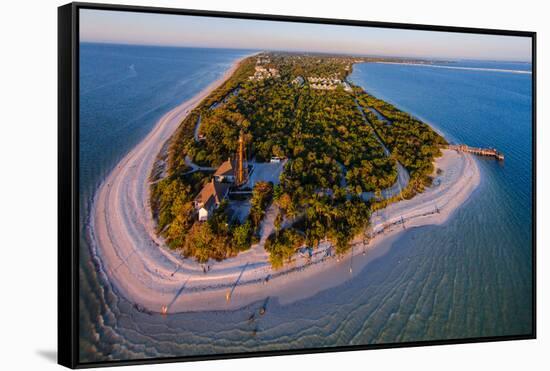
(490, 152)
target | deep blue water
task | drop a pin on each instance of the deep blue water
(479, 108)
(470, 277)
(125, 89)
(490, 238)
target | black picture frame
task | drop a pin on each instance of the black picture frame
(68, 180)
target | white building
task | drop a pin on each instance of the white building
(298, 81)
(262, 73)
(323, 83)
(209, 198)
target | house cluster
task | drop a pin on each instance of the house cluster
(263, 60)
(214, 192)
(327, 83)
(261, 73)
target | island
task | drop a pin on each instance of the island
(281, 170)
(315, 155)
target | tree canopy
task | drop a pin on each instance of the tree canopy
(334, 155)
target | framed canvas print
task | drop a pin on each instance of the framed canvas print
(237, 185)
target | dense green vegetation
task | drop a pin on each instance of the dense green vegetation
(217, 238)
(282, 246)
(182, 143)
(333, 157)
(171, 202)
(412, 142)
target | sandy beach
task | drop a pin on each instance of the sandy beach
(151, 276)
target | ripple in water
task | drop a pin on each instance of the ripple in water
(470, 277)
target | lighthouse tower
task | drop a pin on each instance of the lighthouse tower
(241, 171)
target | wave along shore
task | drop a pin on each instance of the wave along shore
(144, 271)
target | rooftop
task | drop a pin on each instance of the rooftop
(212, 193)
(225, 169)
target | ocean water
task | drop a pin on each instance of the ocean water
(480, 262)
(124, 90)
(470, 277)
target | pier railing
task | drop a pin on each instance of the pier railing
(491, 152)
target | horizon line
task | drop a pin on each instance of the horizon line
(303, 51)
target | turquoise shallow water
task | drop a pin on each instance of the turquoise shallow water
(468, 278)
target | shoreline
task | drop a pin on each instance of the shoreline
(111, 255)
(151, 276)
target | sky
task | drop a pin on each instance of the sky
(124, 27)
